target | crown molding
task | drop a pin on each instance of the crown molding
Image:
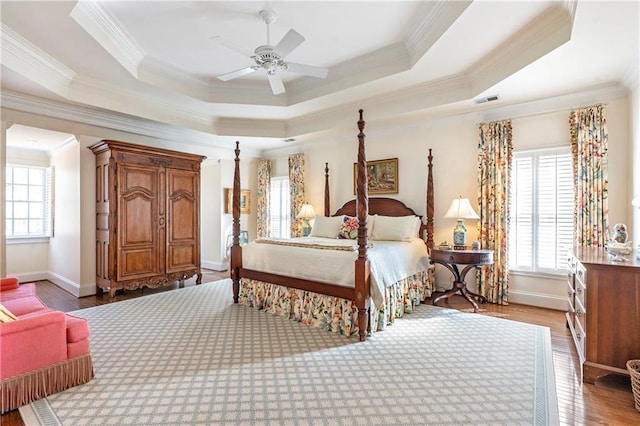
(25, 58)
(105, 29)
(565, 102)
(434, 93)
(152, 106)
(226, 126)
(111, 120)
(471, 112)
(550, 29)
(438, 17)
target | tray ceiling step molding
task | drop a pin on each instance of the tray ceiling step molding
(105, 29)
(25, 58)
(438, 17)
(544, 33)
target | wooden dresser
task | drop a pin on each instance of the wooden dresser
(604, 311)
(147, 216)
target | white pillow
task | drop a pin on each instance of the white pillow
(389, 228)
(327, 227)
(416, 231)
(370, 222)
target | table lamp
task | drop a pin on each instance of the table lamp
(306, 213)
(460, 209)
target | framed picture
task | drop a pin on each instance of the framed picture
(382, 176)
(245, 201)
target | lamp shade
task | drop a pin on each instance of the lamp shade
(306, 212)
(461, 209)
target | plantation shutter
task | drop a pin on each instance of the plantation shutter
(541, 227)
(279, 208)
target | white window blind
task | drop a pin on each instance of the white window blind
(541, 227)
(279, 208)
(28, 202)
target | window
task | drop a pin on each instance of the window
(541, 226)
(28, 195)
(280, 208)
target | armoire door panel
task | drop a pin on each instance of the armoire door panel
(147, 216)
(137, 222)
(185, 228)
(181, 257)
(138, 263)
(182, 214)
(139, 215)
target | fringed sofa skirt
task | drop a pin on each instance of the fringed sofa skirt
(25, 388)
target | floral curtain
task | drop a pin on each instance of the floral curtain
(589, 142)
(296, 189)
(262, 204)
(495, 153)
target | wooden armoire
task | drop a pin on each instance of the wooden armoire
(147, 216)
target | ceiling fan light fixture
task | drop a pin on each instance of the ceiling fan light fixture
(271, 58)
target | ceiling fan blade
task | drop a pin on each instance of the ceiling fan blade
(238, 73)
(276, 84)
(232, 46)
(307, 70)
(290, 41)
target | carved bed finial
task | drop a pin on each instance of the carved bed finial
(430, 202)
(362, 278)
(327, 206)
(236, 249)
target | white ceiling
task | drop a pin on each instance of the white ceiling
(156, 61)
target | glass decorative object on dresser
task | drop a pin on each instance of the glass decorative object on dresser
(618, 247)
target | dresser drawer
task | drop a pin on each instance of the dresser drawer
(581, 295)
(580, 336)
(581, 274)
(581, 314)
(571, 296)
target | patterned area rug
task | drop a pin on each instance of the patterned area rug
(191, 356)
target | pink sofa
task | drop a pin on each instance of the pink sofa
(43, 351)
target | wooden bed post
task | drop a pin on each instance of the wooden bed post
(430, 203)
(236, 249)
(362, 278)
(327, 207)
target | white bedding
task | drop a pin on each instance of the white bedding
(390, 261)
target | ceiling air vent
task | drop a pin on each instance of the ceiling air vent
(486, 99)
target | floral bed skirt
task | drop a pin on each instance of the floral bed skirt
(333, 313)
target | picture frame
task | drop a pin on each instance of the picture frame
(382, 176)
(245, 201)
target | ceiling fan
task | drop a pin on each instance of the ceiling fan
(271, 58)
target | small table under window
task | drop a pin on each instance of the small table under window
(451, 259)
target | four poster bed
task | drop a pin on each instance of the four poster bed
(390, 277)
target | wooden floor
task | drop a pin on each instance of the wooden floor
(608, 402)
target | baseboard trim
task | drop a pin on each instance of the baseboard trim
(66, 284)
(549, 301)
(31, 276)
(214, 266)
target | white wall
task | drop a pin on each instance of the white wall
(69, 258)
(454, 143)
(211, 198)
(65, 262)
